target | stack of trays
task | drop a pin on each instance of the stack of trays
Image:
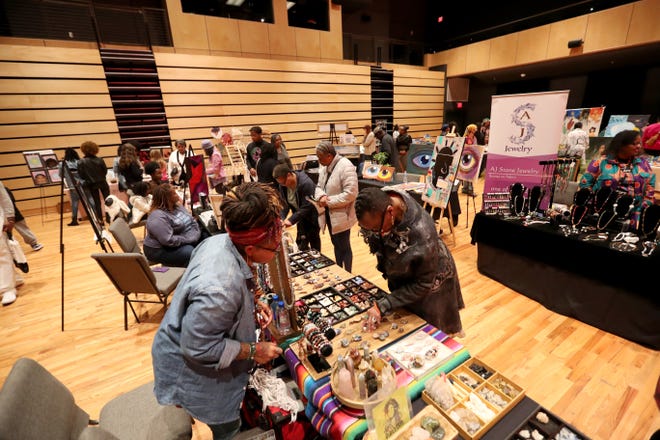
(482, 396)
(307, 261)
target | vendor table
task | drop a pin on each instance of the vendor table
(588, 281)
(334, 420)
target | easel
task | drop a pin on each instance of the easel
(42, 203)
(101, 238)
(442, 212)
(470, 193)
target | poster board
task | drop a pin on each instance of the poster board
(470, 164)
(44, 167)
(442, 170)
(524, 130)
(618, 123)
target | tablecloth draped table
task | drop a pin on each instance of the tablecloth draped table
(334, 420)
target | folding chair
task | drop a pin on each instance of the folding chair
(130, 273)
(35, 405)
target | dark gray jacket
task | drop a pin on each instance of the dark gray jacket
(419, 269)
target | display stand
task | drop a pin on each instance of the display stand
(442, 212)
(470, 193)
(91, 214)
(42, 204)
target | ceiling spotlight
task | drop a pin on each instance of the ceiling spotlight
(290, 5)
(522, 75)
(235, 2)
(263, 20)
(591, 9)
(440, 19)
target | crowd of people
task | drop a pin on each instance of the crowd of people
(209, 339)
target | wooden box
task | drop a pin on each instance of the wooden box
(405, 432)
(466, 382)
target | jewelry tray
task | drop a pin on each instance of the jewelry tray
(487, 381)
(548, 430)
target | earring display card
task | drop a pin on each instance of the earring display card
(308, 261)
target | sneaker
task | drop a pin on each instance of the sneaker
(37, 246)
(8, 297)
(73, 223)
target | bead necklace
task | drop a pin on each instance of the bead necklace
(599, 207)
(642, 224)
(573, 211)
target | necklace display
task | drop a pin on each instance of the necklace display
(517, 199)
(646, 217)
(598, 207)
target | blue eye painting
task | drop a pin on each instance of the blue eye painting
(419, 158)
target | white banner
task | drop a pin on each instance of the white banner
(524, 130)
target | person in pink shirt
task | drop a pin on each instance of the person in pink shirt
(215, 170)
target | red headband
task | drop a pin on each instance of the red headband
(255, 235)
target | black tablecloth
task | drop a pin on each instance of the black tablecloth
(612, 290)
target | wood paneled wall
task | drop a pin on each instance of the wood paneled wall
(627, 25)
(50, 98)
(198, 34)
(419, 97)
(286, 97)
(53, 98)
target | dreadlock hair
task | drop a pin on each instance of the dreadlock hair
(250, 205)
(161, 198)
(371, 200)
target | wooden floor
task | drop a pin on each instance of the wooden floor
(600, 383)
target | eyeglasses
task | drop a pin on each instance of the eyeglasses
(382, 223)
(276, 250)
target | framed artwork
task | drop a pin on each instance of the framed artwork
(441, 174)
(470, 164)
(54, 175)
(419, 158)
(50, 160)
(370, 171)
(389, 415)
(385, 174)
(41, 163)
(33, 160)
(40, 177)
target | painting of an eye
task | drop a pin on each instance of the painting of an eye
(419, 158)
(386, 174)
(422, 160)
(371, 172)
(470, 164)
(468, 161)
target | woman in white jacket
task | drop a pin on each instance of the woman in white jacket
(338, 180)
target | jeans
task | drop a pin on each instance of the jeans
(225, 431)
(169, 256)
(342, 244)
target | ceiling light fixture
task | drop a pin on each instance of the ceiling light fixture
(235, 2)
(290, 5)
